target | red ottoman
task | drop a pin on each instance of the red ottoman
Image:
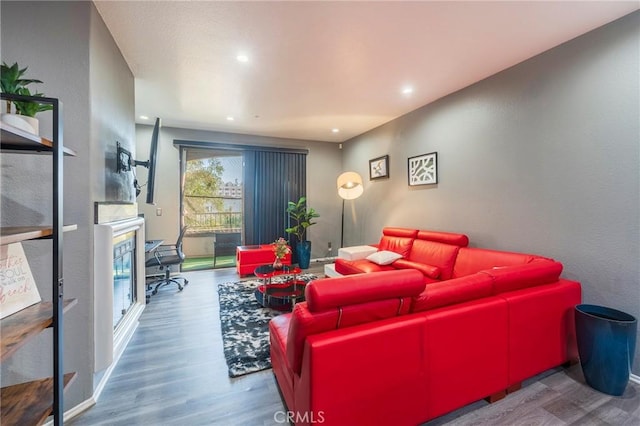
(248, 258)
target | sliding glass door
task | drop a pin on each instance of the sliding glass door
(235, 195)
(212, 207)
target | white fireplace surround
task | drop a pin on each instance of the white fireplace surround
(109, 343)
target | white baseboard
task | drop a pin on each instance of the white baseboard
(73, 412)
(635, 379)
(80, 408)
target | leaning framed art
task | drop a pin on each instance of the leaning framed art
(423, 169)
(379, 168)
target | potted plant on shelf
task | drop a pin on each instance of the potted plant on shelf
(13, 83)
(302, 218)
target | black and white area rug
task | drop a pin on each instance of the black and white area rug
(245, 326)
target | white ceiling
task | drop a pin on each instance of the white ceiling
(314, 66)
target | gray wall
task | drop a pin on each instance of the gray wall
(323, 167)
(112, 114)
(543, 158)
(66, 45)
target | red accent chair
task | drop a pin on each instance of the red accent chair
(248, 258)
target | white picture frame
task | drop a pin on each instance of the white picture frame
(423, 169)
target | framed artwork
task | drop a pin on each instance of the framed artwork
(423, 169)
(379, 167)
(18, 286)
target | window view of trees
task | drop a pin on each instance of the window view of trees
(210, 203)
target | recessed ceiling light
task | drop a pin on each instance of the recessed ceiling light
(230, 118)
(407, 90)
(144, 117)
(242, 58)
(335, 130)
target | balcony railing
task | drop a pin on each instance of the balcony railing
(210, 222)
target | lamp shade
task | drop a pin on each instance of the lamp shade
(350, 185)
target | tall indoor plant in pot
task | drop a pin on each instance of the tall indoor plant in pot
(13, 83)
(301, 218)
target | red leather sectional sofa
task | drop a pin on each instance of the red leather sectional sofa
(408, 344)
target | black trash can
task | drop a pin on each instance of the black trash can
(606, 341)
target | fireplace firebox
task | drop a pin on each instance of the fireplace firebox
(124, 275)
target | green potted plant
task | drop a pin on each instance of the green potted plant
(12, 82)
(301, 218)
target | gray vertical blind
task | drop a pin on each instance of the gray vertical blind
(272, 179)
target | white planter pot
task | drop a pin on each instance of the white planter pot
(22, 122)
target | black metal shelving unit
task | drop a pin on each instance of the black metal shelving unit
(30, 403)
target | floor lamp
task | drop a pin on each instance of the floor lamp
(349, 188)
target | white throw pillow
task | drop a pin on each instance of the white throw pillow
(384, 257)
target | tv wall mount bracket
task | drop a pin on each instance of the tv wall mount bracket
(124, 160)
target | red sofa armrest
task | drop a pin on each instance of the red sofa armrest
(335, 303)
(380, 366)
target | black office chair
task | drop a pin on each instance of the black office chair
(164, 257)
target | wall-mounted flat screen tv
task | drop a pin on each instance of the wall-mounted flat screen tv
(152, 166)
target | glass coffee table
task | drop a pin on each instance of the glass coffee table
(281, 296)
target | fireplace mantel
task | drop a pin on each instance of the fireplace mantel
(109, 343)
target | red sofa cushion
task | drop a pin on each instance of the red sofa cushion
(398, 240)
(436, 254)
(350, 267)
(454, 291)
(427, 270)
(472, 260)
(460, 240)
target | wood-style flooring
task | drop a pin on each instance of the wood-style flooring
(173, 373)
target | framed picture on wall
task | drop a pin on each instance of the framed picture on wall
(379, 168)
(423, 169)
